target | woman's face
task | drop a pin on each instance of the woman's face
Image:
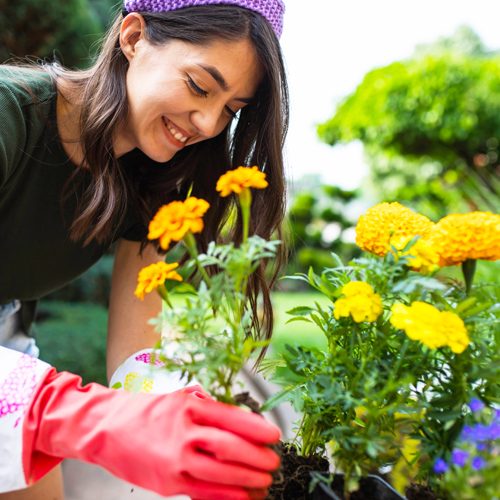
(179, 93)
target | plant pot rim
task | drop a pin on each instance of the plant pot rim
(329, 491)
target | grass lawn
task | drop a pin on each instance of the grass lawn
(307, 334)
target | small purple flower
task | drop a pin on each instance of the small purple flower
(497, 414)
(476, 405)
(467, 433)
(494, 430)
(480, 433)
(481, 446)
(440, 466)
(478, 463)
(459, 457)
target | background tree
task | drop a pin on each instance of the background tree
(318, 226)
(39, 27)
(430, 126)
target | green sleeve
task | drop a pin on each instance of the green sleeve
(13, 133)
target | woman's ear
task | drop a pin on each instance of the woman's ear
(132, 31)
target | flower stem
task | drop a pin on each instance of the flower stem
(163, 293)
(245, 198)
(468, 270)
(193, 251)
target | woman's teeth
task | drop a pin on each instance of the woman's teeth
(176, 134)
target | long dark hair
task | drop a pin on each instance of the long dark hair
(256, 139)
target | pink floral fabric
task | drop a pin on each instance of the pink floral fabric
(16, 390)
(146, 358)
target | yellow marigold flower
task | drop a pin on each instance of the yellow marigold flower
(359, 301)
(389, 220)
(474, 236)
(236, 180)
(174, 220)
(155, 275)
(429, 325)
(423, 255)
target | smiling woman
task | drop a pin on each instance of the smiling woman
(182, 91)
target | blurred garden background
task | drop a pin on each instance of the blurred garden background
(390, 101)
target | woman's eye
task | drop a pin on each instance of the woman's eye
(196, 89)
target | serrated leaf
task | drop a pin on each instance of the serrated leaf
(278, 398)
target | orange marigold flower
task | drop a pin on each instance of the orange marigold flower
(174, 220)
(155, 275)
(235, 181)
(460, 237)
(386, 221)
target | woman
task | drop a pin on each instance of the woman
(179, 95)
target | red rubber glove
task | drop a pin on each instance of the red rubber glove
(171, 444)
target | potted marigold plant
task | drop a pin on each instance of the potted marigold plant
(213, 327)
(406, 351)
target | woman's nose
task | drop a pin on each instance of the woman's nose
(206, 121)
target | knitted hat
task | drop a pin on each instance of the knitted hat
(272, 10)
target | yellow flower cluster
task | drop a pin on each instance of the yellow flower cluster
(386, 222)
(174, 220)
(474, 236)
(434, 328)
(360, 301)
(155, 275)
(423, 255)
(236, 180)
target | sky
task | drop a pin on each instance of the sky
(329, 45)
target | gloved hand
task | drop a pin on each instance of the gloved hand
(171, 444)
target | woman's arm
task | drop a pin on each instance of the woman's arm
(128, 329)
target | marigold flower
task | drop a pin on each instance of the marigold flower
(174, 220)
(386, 221)
(359, 301)
(460, 237)
(423, 256)
(236, 180)
(155, 275)
(429, 325)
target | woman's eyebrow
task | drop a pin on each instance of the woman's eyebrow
(217, 76)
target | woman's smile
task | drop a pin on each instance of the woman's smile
(174, 133)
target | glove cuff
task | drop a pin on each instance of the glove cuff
(138, 374)
(19, 376)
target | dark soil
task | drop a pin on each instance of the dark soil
(293, 479)
(420, 492)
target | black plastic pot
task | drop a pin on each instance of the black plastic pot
(373, 485)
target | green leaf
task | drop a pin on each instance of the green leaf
(298, 318)
(300, 311)
(278, 398)
(184, 288)
(118, 385)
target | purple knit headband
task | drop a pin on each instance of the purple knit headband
(272, 10)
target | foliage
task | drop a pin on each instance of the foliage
(216, 329)
(213, 328)
(373, 379)
(92, 286)
(472, 469)
(40, 27)
(72, 337)
(317, 225)
(430, 126)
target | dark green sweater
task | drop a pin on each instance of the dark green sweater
(36, 253)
